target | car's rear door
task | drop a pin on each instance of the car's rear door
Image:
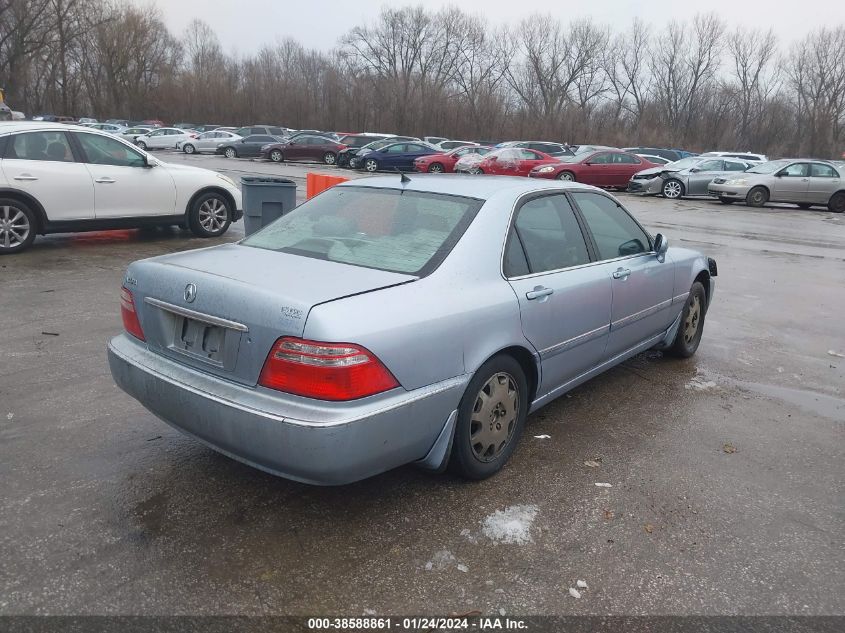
(565, 302)
(625, 166)
(824, 182)
(124, 186)
(791, 184)
(42, 164)
(642, 284)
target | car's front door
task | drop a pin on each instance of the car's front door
(43, 165)
(297, 148)
(124, 186)
(564, 301)
(702, 174)
(597, 169)
(642, 284)
(824, 182)
(791, 183)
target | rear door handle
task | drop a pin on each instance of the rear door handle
(621, 273)
(26, 177)
(105, 180)
(538, 292)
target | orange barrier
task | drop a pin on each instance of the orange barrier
(316, 183)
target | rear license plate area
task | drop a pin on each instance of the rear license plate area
(203, 341)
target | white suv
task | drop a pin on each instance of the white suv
(57, 178)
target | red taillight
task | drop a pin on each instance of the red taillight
(341, 146)
(130, 317)
(325, 371)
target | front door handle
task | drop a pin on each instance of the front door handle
(538, 292)
(621, 273)
(105, 180)
(26, 177)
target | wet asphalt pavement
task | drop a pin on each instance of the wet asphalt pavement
(726, 469)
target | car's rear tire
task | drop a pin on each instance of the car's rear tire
(371, 165)
(726, 200)
(329, 158)
(276, 156)
(188, 148)
(210, 215)
(230, 152)
(142, 145)
(566, 176)
(837, 203)
(491, 418)
(804, 205)
(17, 226)
(672, 189)
(757, 197)
(692, 323)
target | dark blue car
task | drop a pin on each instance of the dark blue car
(399, 156)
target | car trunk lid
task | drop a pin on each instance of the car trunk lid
(221, 309)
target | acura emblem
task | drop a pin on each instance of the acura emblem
(190, 293)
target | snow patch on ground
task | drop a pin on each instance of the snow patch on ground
(511, 525)
(700, 383)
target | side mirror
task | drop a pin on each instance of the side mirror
(148, 162)
(694, 170)
(779, 174)
(661, 245)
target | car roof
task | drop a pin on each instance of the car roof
(9, 127)
(481, 187)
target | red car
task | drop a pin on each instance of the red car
(513, 161)
(606, 168)
(445, 162)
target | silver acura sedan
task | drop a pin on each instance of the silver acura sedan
(389, 321)
(802, 182)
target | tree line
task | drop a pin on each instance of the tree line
(698, 85)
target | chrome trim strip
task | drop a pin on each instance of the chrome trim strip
(198, 316)
(573, 342)
(640, 315)
(680, 298)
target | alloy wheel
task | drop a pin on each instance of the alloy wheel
(188, 149)
(276, 156)
(14, 227)
(494, 415)
(371, 165)
(672, 189)
(435, 168)
(213, 214)
(693, 319)
(329, 158)
(230, 153)
(567, 176)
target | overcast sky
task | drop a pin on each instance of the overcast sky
(245, 25)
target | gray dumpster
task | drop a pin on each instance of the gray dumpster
(266, 199)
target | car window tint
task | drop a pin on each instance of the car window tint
(735, 166)
(796, 170)
(52, 146)
(277, 131)
(599, 159)
(615, 233)
(626, 159)
(396, 149)
(711, 165)
(818, 170)
(514, 264)
(102, 150)
(388, 229)
(550, 235)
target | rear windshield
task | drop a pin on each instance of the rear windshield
(356, 141)
(394, 230)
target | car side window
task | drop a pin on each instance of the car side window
(711, 165)
(102, 150)
(626, 159)
(514, 264)
(50, 146)
(615, 233)
(549, 233)
(396, 149)
(600, 159)
(277, 131)
(796, 170)
(731, 165)
(817, 170)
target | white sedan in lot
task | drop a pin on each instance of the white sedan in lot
(58, 178)
(207, 142)
(165, 138)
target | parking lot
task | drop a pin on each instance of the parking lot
(725, 470)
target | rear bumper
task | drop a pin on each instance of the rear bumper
(301, 439)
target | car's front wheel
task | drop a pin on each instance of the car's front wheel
(692, 323)
(230, 152)
(17, 226)
(435, 168)
(757, 197)
(371, 165)
(566, 176)
(141, 144)
(188, 148)
(673, 189)
(276, 156)
(210, 215)
(491, 418)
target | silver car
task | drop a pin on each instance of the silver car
(686, 177)
(207, 142)
(390, 321)
(802, 182)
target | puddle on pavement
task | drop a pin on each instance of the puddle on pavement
(818, 403)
